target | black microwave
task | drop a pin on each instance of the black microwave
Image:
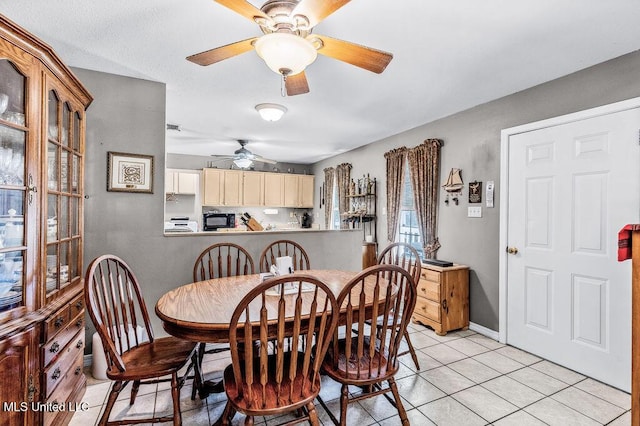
(214, 221)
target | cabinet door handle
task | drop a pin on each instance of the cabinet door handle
(31, 188)
(55, 347)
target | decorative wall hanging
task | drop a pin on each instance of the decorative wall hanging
(453, 185)
(129, 172)
(475, 192)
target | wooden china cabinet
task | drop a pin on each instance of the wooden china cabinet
(42, 126)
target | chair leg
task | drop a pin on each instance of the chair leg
(344, 403)
(175, 395)
(313, 414)
(134, 391)
(113, 395)
(198, 377)
(248, 421)
(411, 349)
(399, 406)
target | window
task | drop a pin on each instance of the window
(408, 231)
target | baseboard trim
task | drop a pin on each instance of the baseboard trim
(480, 329)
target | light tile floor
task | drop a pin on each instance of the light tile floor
(465, 378)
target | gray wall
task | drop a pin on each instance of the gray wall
(472, 143)
(128, 115)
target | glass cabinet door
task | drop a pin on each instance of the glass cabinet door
(13, 185)
(64, 163)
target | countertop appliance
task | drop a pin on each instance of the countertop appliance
(181, 224)
(212, 221)
(306, 221)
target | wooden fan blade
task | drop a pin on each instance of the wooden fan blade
(245, 9)
(317, 10)
(361, 56)
(221, 53)
(297, 84)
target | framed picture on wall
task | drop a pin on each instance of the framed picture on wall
(129, 172)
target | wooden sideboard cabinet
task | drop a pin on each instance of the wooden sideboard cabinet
(42, 132)
(443, 298)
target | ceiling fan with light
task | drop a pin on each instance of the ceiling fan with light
(288, 45)
(243, 158)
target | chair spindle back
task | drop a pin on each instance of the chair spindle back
(116, 307)
(282, 248)
(403, 255)
(279, 337)
(222, 260)
(371, 347)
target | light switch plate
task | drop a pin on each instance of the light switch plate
(474, 211)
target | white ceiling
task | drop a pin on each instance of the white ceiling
(448, 56)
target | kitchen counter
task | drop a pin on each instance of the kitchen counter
(235, 231)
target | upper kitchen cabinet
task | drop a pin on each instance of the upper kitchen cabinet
(253, 189)
(222, 188)
(181, 182)
(298, 191)
(42, 129)
(274, 189)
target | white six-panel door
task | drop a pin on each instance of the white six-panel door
(571, 187)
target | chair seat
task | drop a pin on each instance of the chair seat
(164, 356)
(357, 369)
(303, 390)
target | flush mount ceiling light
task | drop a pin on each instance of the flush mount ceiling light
(286, 53)
(243, 163)
(271, 112)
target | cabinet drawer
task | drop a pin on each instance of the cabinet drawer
(56, 373)
(76, 305)
(428, 309)
(429, 289)
(68, 383)
(56, 323)
(55, 346)
(429, 275)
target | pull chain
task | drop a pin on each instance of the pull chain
(283, 85)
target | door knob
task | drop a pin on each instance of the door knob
(512, 250)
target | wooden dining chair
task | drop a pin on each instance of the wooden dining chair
(222, 260)
(282, 248)
(367, 355)
(117, 309)
(217, 261)
(278, 337)
(407, 257)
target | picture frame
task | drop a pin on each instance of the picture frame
(129, 172)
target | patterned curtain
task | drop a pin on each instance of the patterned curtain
(395, 181)
(424, 170)
(343, 178)
(329, 174)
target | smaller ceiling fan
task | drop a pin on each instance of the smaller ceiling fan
(243, 158)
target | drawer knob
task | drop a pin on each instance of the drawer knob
(79, 344)
(77, 371)
(56, 374)
(422, 289)
(55, 347)
(78, 305)
(58, 322)
(79, 323)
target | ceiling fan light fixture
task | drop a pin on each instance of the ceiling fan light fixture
(271, 112)
(285, 53)
(242, 163)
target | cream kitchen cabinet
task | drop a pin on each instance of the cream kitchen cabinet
(274, 189)
(179, 182)
(298, 191)
(443, 298)
(222, 187)
(253, 189)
